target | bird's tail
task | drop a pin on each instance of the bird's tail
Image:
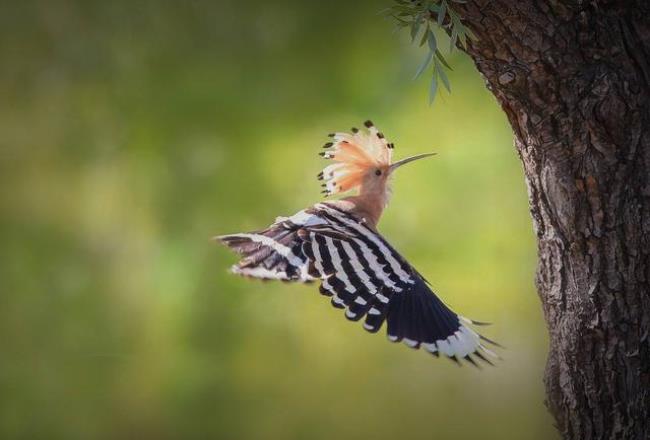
(418, 318)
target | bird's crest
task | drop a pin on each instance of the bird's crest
(353, 155)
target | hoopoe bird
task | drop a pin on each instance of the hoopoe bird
(337, 243)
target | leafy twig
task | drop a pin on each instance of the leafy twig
(421, 17)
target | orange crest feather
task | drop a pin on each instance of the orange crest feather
(353, 155)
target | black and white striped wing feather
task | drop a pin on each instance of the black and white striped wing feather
(362, 274)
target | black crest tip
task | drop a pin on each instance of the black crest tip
(368, 123)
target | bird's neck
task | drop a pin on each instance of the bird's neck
(369, 204)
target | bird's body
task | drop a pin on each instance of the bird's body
(337, 243)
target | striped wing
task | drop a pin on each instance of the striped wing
(362, 274)
(275, 253)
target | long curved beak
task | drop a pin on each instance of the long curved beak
(399, 163)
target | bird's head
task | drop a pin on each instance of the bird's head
(362, 159)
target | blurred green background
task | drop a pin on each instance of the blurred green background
(132, 131)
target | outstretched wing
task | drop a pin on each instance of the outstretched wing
(362, 274)
(275, 253)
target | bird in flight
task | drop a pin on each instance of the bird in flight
(336, 243)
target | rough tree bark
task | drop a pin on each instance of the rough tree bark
(573, 78)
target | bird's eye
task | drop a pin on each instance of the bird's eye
(377, 172)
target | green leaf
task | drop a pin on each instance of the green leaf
(442, 59)
(443, 76)
(415, 27)
(470, 34)
(398, 27)
(433, 44)
(425, 35)
(453, 39)
(433, 88)
(402, 9)
(442, 12)
(462, 39)
(460, 31)
(424, 65)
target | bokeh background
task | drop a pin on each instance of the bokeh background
(132, 131)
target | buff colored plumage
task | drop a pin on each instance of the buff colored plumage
(363, 161)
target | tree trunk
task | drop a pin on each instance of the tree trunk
(574, 80)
